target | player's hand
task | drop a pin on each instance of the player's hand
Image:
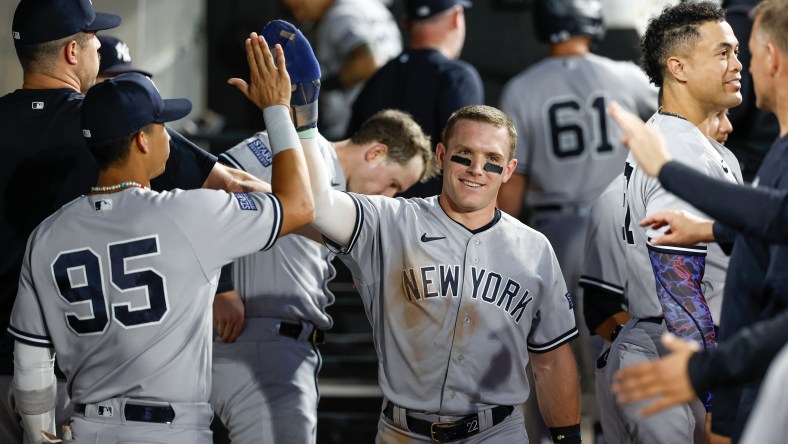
(685, 229)
(228, 315)
(645, 142)
(666, 379)
(268, 84)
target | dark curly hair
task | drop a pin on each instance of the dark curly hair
(675, 27)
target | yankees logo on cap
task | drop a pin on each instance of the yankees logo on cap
(116, 57)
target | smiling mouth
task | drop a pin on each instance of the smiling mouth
(471, 184)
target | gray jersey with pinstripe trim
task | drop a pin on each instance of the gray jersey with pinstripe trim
(567, 145)
(645, 196)
(290, 281)
(605, 265)
(121, 285)
(455, 313)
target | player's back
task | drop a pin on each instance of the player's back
(125, 281)
(566, 143)
(645, 196)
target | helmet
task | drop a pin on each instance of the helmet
(557, 20)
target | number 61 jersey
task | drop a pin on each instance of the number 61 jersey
(567, 145)
(121, 286)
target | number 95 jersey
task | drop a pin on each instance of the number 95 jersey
(566, 144)
(121, 286)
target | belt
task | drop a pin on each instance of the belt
(652, 320)
(448, 431)
(293, 330)
(136, 412)
(561, 208)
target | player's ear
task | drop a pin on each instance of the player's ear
(774, 58)
(509, 170)
(377, 151)
(676, 68)
(440, 154)
(141, 141)
(70, 52)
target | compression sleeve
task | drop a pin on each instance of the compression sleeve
(729, 203)
(34, 387)
(335, 211)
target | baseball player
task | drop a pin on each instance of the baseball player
(568, 150)
(456, 312)
(126, 305)
(353, 38)
(284, 290)
(678, 289)
(768, 420)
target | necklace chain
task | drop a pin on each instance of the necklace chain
(118, 186)
(671, 114)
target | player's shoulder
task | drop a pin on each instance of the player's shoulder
(517, 231)
(683, 139)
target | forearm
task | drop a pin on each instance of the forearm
(233, 180)
(35, 389)
(557, 386)
(734, 205)
(335, 212)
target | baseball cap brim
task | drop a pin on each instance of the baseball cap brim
(103, 21)
(174, 109)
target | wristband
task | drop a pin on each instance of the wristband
(566, 435)
(310, 133)
(281, 133)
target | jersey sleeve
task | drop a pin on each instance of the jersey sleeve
(237, 223)
(253, 155)
(554, 319)
(27, 319)
(187, 167)
(346, 32)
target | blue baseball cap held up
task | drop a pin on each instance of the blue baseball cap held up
(39, 21)
(125, 104)
(116, 57)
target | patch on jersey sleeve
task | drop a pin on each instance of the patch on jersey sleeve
(569, 299)
(262, 152)
(245, 202)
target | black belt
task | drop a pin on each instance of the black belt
(293, 330)
(448, 431)
(138, 412)
(653, 320)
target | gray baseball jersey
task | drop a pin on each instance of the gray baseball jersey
(645, 196)
(347, 25)
(290, 280)
(567, 144)
(767, 422)
(454, 313)
(605, 265)
(121, 285)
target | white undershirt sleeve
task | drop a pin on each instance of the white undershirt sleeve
(35, 389)
(335, 212)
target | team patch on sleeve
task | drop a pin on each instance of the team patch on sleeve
(262, 152)
(245, 202)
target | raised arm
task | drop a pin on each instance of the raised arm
(335, 212)
(269, 89)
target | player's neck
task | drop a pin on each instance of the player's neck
(36, 80)
(576, 46)
(684, 105)
(472, 220)
(117, 175)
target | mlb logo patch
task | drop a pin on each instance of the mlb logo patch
(86, 133)
(104, 411)
(260, 151)
(16, 35)
(103, 205)
(38, 105)
(245, 202)
(569, 299)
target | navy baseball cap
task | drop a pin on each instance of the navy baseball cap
(124, 104)
(39, 21)
(116, 57)
(422, 9)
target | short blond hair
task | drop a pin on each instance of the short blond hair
(482, 114)
(773, 15)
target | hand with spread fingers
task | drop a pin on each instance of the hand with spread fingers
(666, 380)
(269, 82)
(645, 142)
(685, 229)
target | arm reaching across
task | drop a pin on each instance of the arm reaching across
(685, 229)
